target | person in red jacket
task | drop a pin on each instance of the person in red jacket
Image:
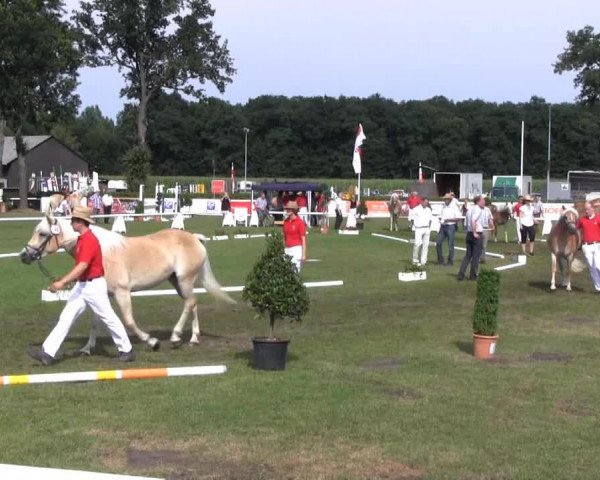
(589, 225)
(294, 235)
(414, 200)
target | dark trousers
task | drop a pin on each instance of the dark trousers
(473, 255)
(107, 211)
(446, 232)
(338, 219)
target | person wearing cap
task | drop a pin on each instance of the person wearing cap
(294, 235)
(474, 222)
(488, 227)
(449, 217)
(589, 226)
(90, 290)
(421, 224)
(527, 224)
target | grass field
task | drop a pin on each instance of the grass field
(380, 383)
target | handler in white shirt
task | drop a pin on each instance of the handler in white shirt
(421, 223)
(449, 217)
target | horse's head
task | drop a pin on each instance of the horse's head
(49, 235)
(570, 217)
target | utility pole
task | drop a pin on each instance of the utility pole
(549, 143)
(246, 130)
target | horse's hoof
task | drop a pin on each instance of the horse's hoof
(85, 353)
(552, 287)
(153, 343)
(175, 344)
(193, 343)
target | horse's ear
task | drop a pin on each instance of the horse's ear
(51, 219)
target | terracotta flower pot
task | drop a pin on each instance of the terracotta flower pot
(484, 347)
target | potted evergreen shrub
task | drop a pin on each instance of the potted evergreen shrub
(485, 314)
(361, 213)
(274, 290)
(412, 272)
(139, 209)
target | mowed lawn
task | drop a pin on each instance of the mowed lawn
(380, 383)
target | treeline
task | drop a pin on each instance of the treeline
(314, 137)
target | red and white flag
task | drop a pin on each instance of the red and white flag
(232, 178)
(421, 180)
(356, 158)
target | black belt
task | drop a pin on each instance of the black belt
(590, 243)
(90, 279)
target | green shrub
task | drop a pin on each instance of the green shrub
(139, 207)
(487, 302)
(361, 209)
(137, 166)
(273, 287)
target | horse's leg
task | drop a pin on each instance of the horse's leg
(123, 298)
(568, 273)
(553, 281)
(185, 289)
(391, 221)
(91, 343)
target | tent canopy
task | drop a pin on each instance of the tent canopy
(288, 186)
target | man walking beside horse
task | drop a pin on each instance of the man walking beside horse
(449, 217)
(589, 225)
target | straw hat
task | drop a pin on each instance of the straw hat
(291, 206)
(448, 196)
(527, 198)
(83, 213)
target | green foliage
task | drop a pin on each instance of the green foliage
(186, 199)
(139, 207)
(410, 267)
(361, 209)
(582, 55)
(38, 69)
(137, 165)
(487, 302)
(157, 45)
(273, 287)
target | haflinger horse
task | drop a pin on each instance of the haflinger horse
(56, 199)
(395, 209)
(501, 217)
(137, 263)
(563, 242)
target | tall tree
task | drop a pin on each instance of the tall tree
(38, 69)
(157, 44)
(582, 55)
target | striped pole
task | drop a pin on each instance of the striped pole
(131, 374)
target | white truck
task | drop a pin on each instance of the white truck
(463, 185)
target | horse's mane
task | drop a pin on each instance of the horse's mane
(570, 209)
(109, 241)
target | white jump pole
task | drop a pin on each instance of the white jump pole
(100, 375)
(522, 151)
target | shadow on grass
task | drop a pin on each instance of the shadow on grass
(465, 347)
(545, 286)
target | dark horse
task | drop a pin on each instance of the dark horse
(563, 242)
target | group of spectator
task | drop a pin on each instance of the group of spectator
(478, 223)
(101, 204)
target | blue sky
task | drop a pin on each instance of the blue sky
(402, 49)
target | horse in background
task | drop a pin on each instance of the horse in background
(501, 217)
(56, 199)
(395, 209)
(563, 242)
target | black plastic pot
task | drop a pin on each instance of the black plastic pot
(269, 354)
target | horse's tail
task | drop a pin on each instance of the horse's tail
(577, 266)
(210, 283)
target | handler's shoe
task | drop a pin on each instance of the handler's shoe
(125, 356)
(38, 354)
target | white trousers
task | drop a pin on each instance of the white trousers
(296, 254)
(95, 295)
(592, 257)
(302, 213)
(421, 241)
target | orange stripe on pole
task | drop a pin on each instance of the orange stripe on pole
(1, 380)
(140, 373)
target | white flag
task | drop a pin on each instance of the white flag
(356, 158)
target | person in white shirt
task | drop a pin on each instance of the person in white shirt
(107, 203)
(449, 217)
(527, 223)
(421, 223)
(488, 227)
(474, 225)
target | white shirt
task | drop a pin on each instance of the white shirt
(421, 217)
(526, 215)
(449, 213)
(478, 215)
(107, 200)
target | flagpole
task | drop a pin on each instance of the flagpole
(522, 149)
(358, 189)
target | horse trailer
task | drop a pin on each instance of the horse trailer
(463, 185)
